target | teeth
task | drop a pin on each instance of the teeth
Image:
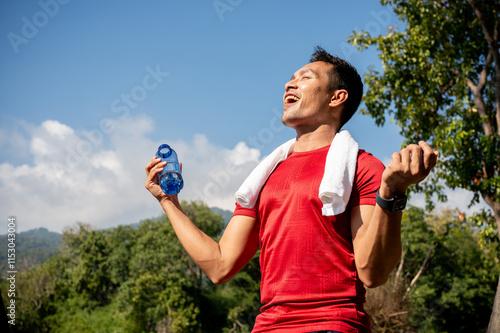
(290, 99)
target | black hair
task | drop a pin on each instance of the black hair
(342, 75)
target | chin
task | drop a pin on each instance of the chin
(292, 123)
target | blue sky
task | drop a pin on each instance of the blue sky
(90, 89)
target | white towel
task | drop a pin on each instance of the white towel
(336, 184)
(249, 191)
(340, 168)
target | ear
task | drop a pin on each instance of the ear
(339, 97)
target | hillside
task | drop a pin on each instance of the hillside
(33, 247)
(226, 214)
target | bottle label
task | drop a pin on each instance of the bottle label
(171, 166)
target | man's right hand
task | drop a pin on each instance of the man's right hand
(153, 169)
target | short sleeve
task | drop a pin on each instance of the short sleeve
(367, 180)
(250, 212)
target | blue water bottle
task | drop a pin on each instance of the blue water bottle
(170, 178)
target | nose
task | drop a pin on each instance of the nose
(292, 84)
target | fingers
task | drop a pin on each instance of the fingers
(151, 165)
(416, 159)
(408, 160)
(430, 156)
(152, 170)
(154, 165)
(405, 159)
(410, 166)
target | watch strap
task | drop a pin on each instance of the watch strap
(396, 204)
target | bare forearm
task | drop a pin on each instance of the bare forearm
(381, 248)
(378, 243)
(201, 248)
(386, 228)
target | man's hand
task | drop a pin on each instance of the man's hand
(410, 166)
(153, 169)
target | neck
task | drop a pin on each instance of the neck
(319, 137)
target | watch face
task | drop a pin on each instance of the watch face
(399, 205)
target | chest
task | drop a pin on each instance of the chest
(290, 211)
(296, 178)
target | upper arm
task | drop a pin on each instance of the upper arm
(367, 182)
(238, 244)
(360, 219)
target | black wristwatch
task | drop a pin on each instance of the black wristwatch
(396, 204)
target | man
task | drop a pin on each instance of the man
(314, 265)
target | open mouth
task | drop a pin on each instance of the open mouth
(290, 99)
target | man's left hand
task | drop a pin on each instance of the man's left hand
(410, 166)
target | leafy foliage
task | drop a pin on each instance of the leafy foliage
(134, 280)
(140, 279)
(438, 84)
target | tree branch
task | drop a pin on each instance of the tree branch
(443, 91)
(489, 38)
(419, 271)
(493, 51)
(477, 90)
(397, 277)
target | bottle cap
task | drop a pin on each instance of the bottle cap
(164, 151)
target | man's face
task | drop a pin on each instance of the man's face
(306, 99)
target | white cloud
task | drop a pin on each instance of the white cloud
(242, 154)
(461, 199)
(98, 176)
(55, 128)
(457, 198)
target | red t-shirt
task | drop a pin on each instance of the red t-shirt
(309, 278)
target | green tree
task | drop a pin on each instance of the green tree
(439, 82)
(160, 288)
(134, 280)
(443, 282)
(167, 290)
(456, 290)
(91, 276)
(36, 293)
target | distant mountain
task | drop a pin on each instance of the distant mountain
(226, 214)
(33, 247)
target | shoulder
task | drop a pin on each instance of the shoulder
(367, 163)
(368, 174)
